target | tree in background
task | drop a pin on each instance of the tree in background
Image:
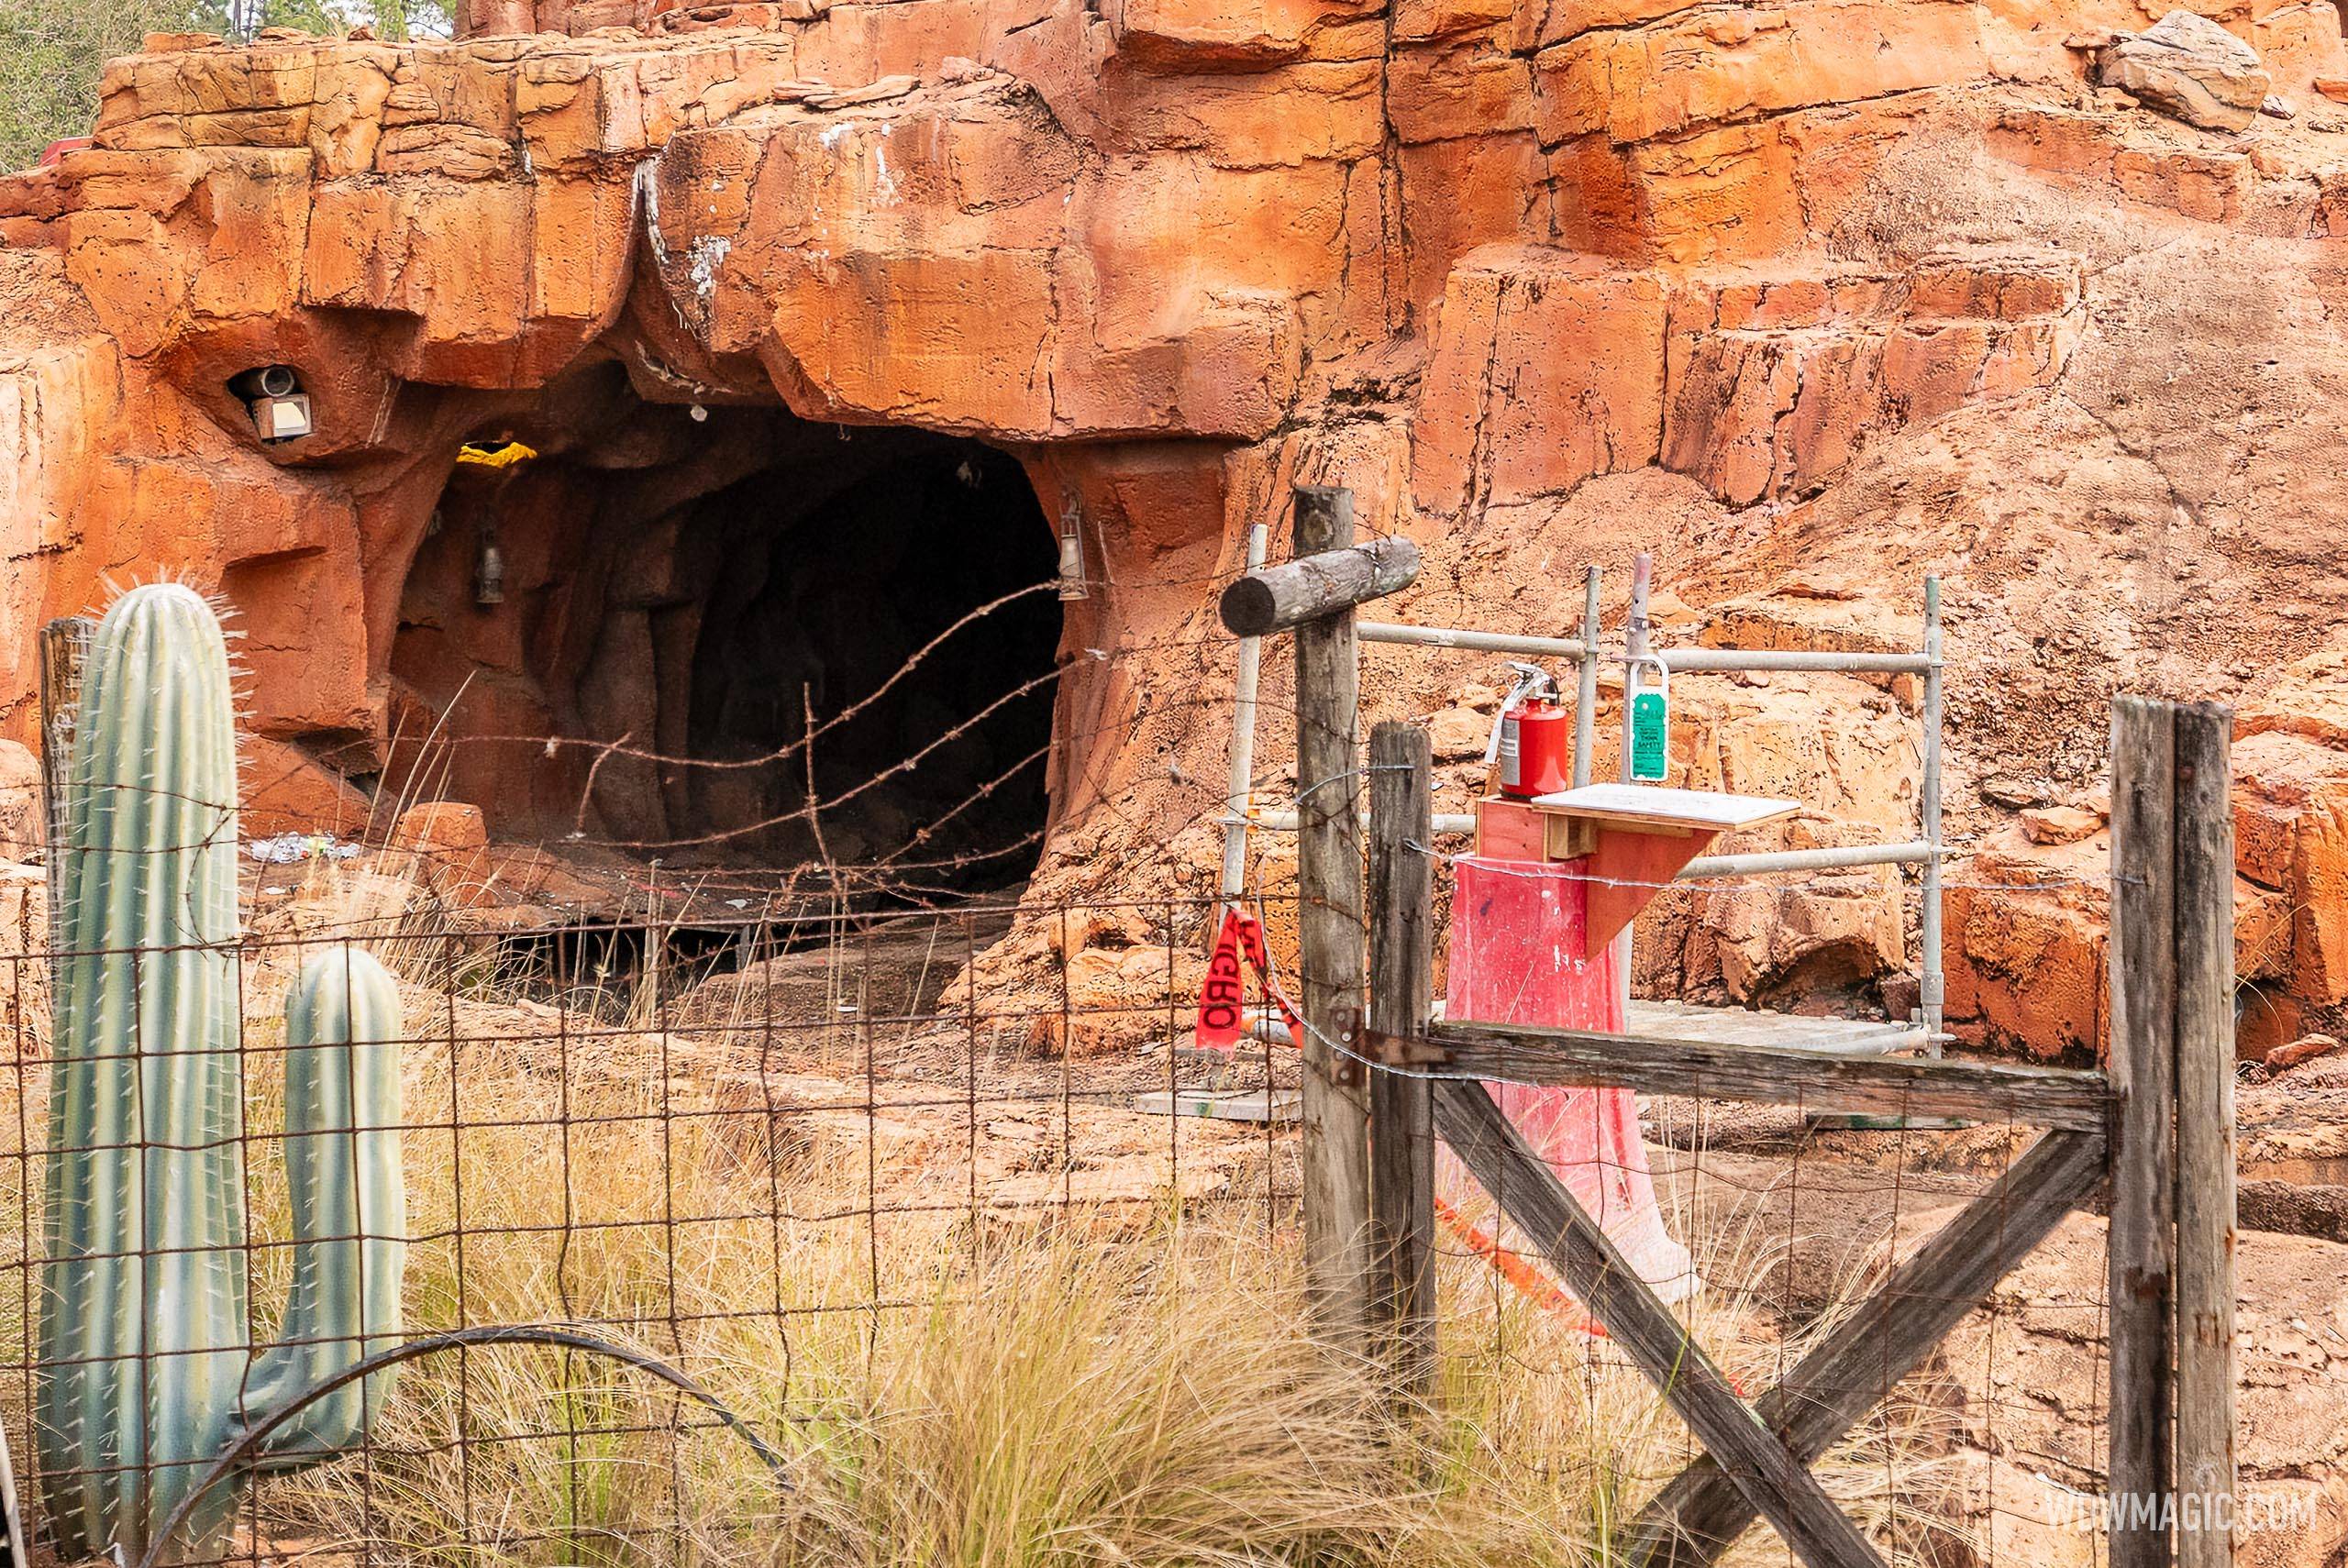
(51, 51)
(50, 54)
(393, 21)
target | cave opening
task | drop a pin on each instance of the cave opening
(617, 632)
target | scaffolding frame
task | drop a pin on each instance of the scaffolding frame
(1927, 1027)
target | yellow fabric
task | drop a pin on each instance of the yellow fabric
(504, 456)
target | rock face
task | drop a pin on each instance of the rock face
(2188, 66)
(2030, 910)
(22, 834)
(1810, 297)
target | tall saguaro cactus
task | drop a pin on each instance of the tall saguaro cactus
(146, 1370)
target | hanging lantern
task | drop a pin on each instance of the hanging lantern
(1071, 550)
(489, 570)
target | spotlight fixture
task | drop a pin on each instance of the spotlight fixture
(273, 394)
(489, 569)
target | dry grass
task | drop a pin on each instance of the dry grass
(1081, 1387)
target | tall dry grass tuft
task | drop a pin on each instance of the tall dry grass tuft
(1049, 1391)
(1059, 1405)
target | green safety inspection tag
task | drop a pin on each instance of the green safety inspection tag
(1650, 736)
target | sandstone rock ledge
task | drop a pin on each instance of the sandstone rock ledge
(1808, 296)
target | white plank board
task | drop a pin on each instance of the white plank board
(1224, 1105)
(1654, 803)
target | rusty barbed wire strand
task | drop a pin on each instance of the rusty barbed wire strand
(962, 1052)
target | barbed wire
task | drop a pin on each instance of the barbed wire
(735, 1059)
(864, 1098)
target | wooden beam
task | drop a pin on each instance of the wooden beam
(1779, 1485)
(1401, 1001)
(1777, 1075)
(1626, 870)
(1701, 1512)
(1317, 584)
(1335, 1098)
(2144, 1187)
(2205, 1134)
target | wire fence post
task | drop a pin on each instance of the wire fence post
(2143, 1246)
(1401, 1005)
(2204, 1135)
(1339, 1273)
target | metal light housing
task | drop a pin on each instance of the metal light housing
(273, 394)
(282, 418)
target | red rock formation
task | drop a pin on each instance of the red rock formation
(2031, 922)
(1811, 296)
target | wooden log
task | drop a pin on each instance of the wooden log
(2205, 1136)
(1779, 1487)
(1701, 1512)
(1335, 1095)
(1402, 1003)
(1777, 1075)
(2144, 1188)
(1317, 584)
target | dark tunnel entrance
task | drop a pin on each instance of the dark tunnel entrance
(672, 596)
(938, 768)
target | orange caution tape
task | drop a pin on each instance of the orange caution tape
(1536, 1287)
(1222, 994)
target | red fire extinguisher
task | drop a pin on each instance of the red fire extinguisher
(1534, 741)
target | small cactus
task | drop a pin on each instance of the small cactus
(342, 1168)
(146, 1370)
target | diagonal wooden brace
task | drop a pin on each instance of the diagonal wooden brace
(1694, 1520)
(1776, 1483)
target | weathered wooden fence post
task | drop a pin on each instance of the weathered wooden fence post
(1401, 1004)
(1315, 594)
(1329, 930)
(2171, 1263)
(63, 641)
(2144, 1076)
(2205, 1136)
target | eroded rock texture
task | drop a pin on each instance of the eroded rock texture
(817, 315)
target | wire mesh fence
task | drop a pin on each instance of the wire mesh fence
(759, 1153)
(1990, 1453)
(912, 1196)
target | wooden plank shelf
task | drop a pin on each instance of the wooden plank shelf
(1651, 808)
(1632, 839)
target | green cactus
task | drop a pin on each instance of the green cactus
(342, 1169)
(146, 1369)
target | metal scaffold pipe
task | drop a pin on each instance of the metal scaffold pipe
(1585, 687)
(1635, 652)
(1930, 984)
(1679, 659)
(1477, 642)
(1241, 779)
